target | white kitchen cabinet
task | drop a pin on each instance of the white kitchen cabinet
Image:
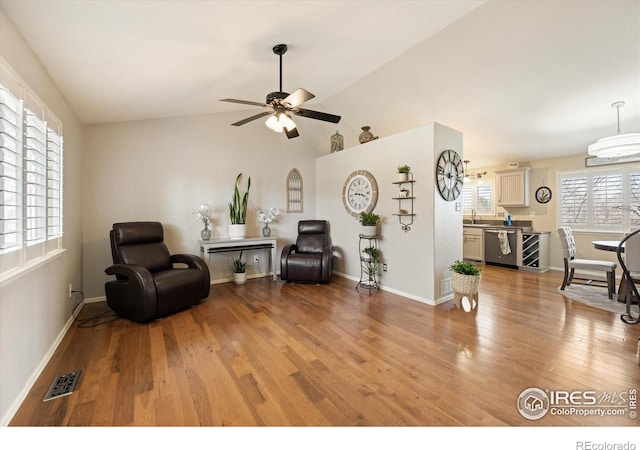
(473, 243)
(513, 187)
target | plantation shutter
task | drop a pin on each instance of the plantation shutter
(10, 171)
(54, 184)
(607, 200)
(467, 198)
(573, 205)
(634, 199)
(35, 174)
(484, 197)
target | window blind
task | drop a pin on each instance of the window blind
(35, 174)
(10, 171)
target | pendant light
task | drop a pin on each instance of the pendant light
(466, 171)
(617, 145)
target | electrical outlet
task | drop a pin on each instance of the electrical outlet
(70, 289)
(256, 258)
(384, 267)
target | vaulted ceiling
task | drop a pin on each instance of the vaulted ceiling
(522, 80)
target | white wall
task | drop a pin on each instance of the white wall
(164, 169)
(418, 259)
(35, 309)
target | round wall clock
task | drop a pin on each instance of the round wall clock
(449, 175)
(543, 194)
(360, 193)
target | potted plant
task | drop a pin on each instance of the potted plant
(403, 172)
(369, 222)
(239, 270)
(371, 264)
(238, 211)
(465, 280)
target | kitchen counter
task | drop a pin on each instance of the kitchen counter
(524, 228)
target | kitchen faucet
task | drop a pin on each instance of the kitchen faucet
(473, 216)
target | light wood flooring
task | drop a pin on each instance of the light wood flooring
(276, 354)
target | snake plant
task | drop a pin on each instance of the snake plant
(238, 208)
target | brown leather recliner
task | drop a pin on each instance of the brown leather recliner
(309, 259)
(147, 285)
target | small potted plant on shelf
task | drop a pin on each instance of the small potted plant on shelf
(239, 270)
(369, 222)
(465, 280)
(403, 172)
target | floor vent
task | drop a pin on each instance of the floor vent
(63, 385)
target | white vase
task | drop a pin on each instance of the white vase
(239, 277)
(403, 176)
(369, 230)
(237, 231)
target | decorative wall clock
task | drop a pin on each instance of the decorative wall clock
(543, 194)
(449, 175)
(360, 193)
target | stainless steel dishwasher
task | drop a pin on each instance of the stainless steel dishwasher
(493, 251)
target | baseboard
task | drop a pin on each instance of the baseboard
(6, 419)
(427, 301)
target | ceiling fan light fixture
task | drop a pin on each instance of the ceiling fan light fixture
(279, 121)
(617, 145)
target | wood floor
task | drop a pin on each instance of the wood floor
(277, 354)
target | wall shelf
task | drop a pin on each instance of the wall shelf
(405, 202)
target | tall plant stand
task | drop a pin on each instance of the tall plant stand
(368, 269)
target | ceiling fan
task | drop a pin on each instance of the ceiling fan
(280, 104)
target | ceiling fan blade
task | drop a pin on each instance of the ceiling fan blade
(291, 134)
(298, 97)
(249, 119)
(316, 115)
(244, 102)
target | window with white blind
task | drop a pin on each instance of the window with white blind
(31, 162)
(600, 200)
(478, 195)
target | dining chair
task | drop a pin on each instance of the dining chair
(571, 264)
(630, 264)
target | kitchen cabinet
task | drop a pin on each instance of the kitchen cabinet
(513, 187)
(473, 243)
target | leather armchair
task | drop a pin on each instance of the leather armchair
(147, 285)
(310, 258)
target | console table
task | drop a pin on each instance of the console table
(251, 243)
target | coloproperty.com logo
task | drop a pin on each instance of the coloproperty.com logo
(535, 403)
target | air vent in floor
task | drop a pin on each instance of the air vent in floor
(63, 385)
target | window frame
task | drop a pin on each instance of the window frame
(46, 188)
(473, 186)
(625, 204)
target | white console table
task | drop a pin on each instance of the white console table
(250, 243)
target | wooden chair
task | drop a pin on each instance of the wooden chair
(630, 264)
(571, 264)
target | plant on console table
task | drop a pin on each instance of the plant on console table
(239, 270)
(238, 210)
(369, 222)
(465, 281)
